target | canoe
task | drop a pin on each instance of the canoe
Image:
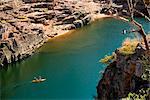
(38, 81)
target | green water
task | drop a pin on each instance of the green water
(69, 63)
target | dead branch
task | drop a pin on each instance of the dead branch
(135, 23)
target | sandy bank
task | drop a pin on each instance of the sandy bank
(59, 30)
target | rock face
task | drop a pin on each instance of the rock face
(26, 24)
(19, 41)
(140, 6)
(122, 7)
(123, 76)
(40, 19)
(20, 34)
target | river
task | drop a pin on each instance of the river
(70, 63)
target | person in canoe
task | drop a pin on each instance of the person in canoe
(38, 80)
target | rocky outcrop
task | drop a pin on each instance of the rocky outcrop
(78, 23)
(19, 41)
(121, 7)
(124, 75)
(140, 6)
(40, 19)
(21, 32)
(26, 24)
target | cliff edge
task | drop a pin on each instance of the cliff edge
(128, 73)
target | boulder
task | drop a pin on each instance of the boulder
(70, 27)
(69, 20)
(79, 15)
(78, 23)
(86, 20)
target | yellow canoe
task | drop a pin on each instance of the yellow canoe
(38, 80)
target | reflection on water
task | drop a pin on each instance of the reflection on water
(69, 63)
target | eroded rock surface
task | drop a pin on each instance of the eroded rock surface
(41, 19)
(124, 75)
(26, 24)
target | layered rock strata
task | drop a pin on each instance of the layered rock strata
(26, 24)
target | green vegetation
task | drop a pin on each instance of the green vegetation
(108, 59)
(145, 61)
(142, 94)
(128, 46)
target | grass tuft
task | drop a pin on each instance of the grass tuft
(108, 59)
(128, 46)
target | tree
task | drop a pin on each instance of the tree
(140, 29)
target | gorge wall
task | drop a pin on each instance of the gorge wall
(126, 74)
(26, 24)
(123, 10)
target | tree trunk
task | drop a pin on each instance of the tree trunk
(142, 32)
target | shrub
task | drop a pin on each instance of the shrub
(108, 59)
(142, 94)
(145, 61)
(128, 46)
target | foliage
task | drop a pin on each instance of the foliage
(145, 61)
(128, 46)
(142, 94)
(108, 59)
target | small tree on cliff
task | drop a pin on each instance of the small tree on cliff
(140, 29)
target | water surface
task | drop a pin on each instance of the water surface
(70, 63)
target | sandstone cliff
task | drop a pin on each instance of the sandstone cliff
(128, 73)
(26, 24)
